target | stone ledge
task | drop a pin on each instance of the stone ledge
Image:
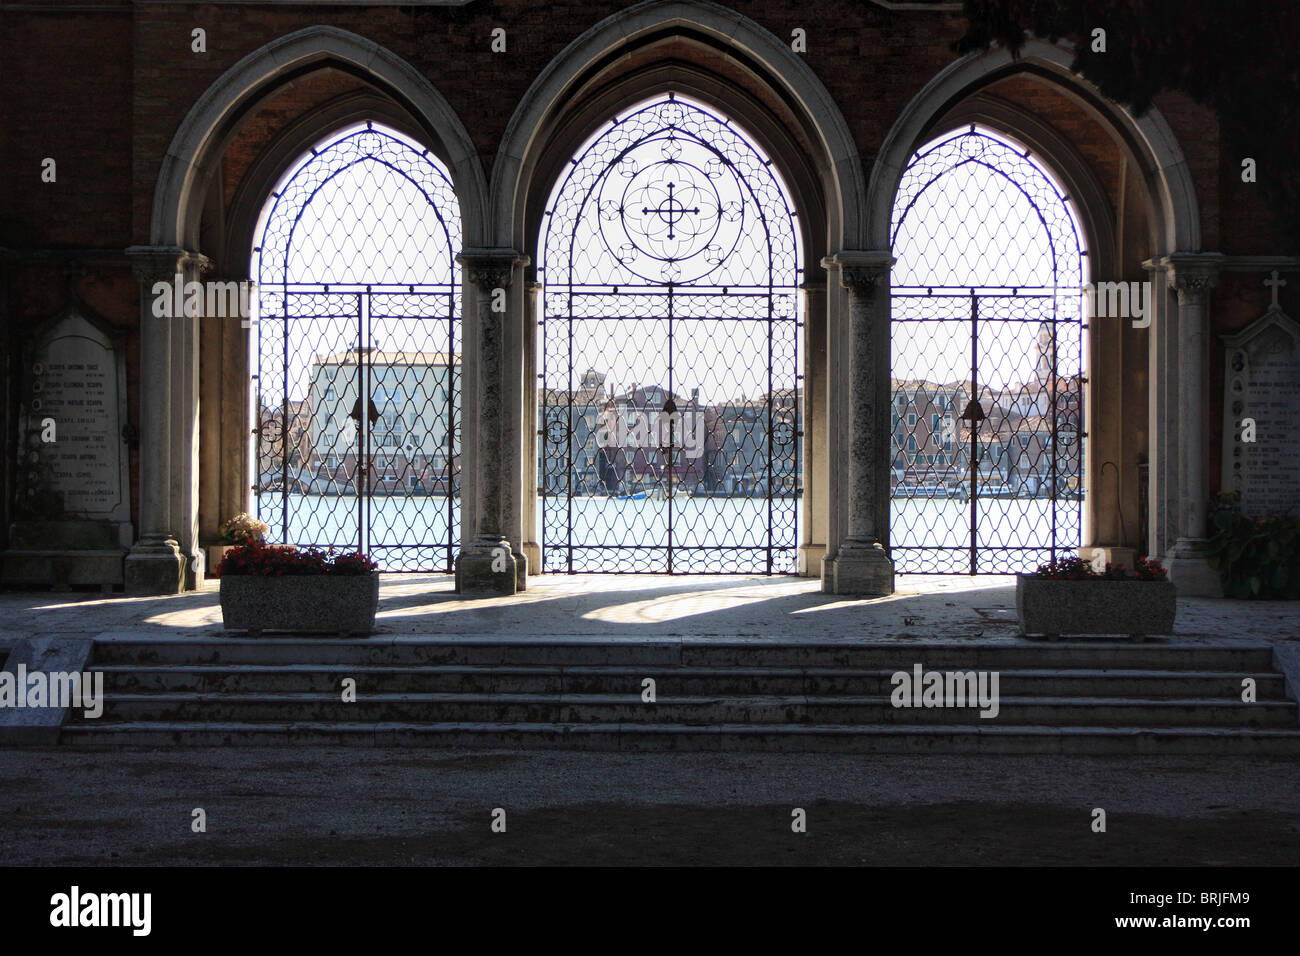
(1286, 658)
(40, 726)
(64, 568)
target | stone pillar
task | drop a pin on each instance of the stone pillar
(1193, 276)
(487, 563)
(162, 560)
(225, 429)
(1160, 399)
(531, 547)
(814, 517)
(860, 564)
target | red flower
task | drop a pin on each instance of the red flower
(281, 560)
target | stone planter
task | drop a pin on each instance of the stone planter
(303, 604)
(1053, 608)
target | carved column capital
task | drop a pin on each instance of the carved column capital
(861, 272)
(1193, 274)
(154, 263)
(490, 268)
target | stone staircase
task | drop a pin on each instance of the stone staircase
(711, 694)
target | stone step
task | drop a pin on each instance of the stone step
(880, 738)
(628, 708)
(685, 681)
(737, 693)
(690, 652)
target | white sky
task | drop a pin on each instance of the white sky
(971, 226)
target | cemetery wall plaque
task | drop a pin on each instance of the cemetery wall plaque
(1262, 382)
(72, 521)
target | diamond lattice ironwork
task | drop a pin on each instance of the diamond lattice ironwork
(987, 345)
(670, 383)
(357, 296)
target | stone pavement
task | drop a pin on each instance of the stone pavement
(924, 608)
(317, 806)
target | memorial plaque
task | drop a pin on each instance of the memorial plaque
(1262, 382)
(75, 459)
(72, 516)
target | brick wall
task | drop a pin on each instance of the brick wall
(103, 93)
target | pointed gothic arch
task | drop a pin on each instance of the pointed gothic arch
(200, 139)
(1148, 138)
(171, 461)
(1173, 219)
(820, 160)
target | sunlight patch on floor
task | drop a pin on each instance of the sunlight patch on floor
(673, 607)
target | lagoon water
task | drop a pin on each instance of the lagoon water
(715, 535)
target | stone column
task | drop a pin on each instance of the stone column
(1162, 404)
(812, 544)
(1193, 277)
(860, 564)
(531, 548)
(161, 561)
(487, 564)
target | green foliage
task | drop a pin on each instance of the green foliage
(1238, 59)
(1256, 558)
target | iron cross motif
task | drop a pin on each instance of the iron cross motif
(671, 213)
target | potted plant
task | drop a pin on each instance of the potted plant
(1256, 558)
(1069, 596)
(305, 590)
(243, 528)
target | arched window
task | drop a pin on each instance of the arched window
(670, 352)
(988, 320)
(357, 368)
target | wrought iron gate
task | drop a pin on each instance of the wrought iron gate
(670, 333)
(356, 385)
(987, 344)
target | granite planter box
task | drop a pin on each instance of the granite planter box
(1056, 607)
(340, 604)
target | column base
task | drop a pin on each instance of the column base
(859, 568)
(1190, 570)
(533, 552)
(488, 570)
(811, 557)
(155, 567)
(521, 571)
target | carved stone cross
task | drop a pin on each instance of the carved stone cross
(1274, 283)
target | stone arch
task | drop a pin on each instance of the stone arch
(544, 104)
(767, 130)
(1149, 139)
(174, 473)
(1086, 193)
(830, 188)
(290, 144)
(198, 143)
(1172, 216)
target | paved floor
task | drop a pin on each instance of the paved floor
(923, 608)
(322, 806)
(367, 806)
